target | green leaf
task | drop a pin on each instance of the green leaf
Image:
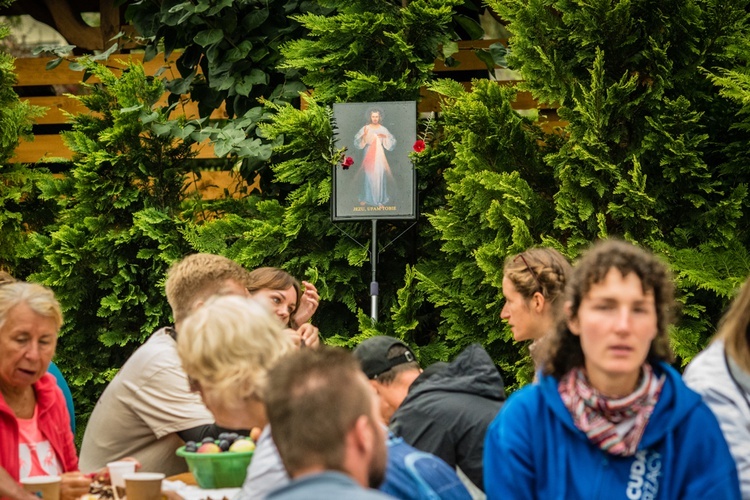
(449, 48)
(208, 37)
(471, 25)
(53, 63)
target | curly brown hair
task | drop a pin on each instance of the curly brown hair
(563, 351)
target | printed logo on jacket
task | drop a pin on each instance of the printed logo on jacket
(644, 475)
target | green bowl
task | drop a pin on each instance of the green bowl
(217, 470)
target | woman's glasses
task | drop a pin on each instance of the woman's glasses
(528, 267)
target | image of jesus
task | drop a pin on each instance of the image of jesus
(375, 140)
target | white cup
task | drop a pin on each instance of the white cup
(118, 469)
(46, 487)
(143, 485)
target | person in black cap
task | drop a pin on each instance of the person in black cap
(392, 367)
(446, 409)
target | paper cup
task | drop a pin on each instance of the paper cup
(143, 485)
(116, 472)
(46, 487)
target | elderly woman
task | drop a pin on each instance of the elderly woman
(721, 374)
(35, 433)
(282, 293)
(609, 417)
(226, 347)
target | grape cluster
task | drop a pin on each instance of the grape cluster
(224, 441)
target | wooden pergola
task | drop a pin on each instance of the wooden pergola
(65, 17)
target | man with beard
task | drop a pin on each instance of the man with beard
(323, 417)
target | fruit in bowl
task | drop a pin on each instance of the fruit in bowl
(242, 445)
(208, 448)
(219, 462)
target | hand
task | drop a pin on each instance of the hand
(11, 489)
(295, 336)
(73, 485)
(102, 475)
(308, 304)
(309, 336)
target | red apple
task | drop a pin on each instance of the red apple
(209, 448)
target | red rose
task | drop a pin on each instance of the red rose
(348, 162)
(419, 146)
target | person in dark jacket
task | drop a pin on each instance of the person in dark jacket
(444, 411)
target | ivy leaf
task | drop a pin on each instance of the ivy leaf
(449, 48)
(498, 51)
(486, 58)
(161, 129)
(150, 53)
(255, 19)
(53, 63)
(208, 37)
(472, 27)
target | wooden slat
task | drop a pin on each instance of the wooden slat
(46, 147)
(56, 105)
(33, 71)
(213, 183)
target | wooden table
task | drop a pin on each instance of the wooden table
(185, 477)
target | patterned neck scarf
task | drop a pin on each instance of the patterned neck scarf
(614, 425)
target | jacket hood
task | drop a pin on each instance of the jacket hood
(471, 372)
(673, 405)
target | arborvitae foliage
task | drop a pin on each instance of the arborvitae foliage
(498, 201)
(371, 50)
(645, 155)
(118, 229)
(20, 208)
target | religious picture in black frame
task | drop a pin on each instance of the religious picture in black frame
(375, 179)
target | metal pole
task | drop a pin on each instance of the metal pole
(374, 282)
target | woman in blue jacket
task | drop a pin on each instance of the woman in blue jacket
(610, 418)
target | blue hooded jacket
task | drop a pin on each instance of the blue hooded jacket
(534, 450)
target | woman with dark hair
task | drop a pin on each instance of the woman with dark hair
(609, 417)
(282, 293)
(533, 284)
(721, 374)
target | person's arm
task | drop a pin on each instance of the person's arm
(417, 426)
(11, 489)
(735, 427)
(309, 336)
(389, 142)
(509, 470)
(710, 471)
(209, 430)
(308, 304)
(73, 485)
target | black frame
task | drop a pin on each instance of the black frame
(349, 184)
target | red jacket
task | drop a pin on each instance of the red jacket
(54, 424)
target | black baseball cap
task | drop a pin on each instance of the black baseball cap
(373, 355)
